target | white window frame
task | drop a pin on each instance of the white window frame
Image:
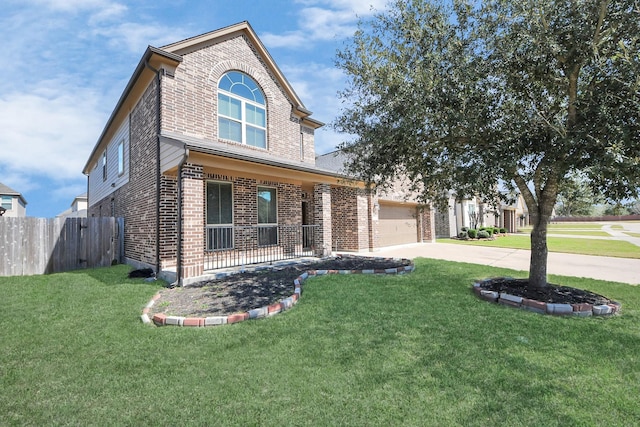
(231, 244)
(244, 124)
(104, 166)
(121, 157)
(263, 227)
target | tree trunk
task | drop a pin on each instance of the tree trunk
(540, 210)
(539, 252)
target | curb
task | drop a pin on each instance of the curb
(161, 319)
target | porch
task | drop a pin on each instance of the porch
(231, 246)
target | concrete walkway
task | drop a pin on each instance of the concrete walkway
(623, 270)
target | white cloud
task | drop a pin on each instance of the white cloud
(75, 6)
(136, 37)
(360, 7)
(290, 39)
(317, 86)
(323, 20)
(111, 11)
(49, 131)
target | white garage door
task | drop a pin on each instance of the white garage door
(398, 225)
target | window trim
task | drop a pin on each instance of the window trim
(210, 246)
(104, 166)
(121, 157)
(265, 228)
(6, 202)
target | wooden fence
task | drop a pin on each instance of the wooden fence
(41, 246)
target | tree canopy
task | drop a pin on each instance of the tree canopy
(460, 95)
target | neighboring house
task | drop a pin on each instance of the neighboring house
(12, 204)
(78, 208)
(473, 213)
(209, 156)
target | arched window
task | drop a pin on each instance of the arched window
(242, 114)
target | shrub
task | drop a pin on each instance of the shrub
(483, 234)
(464, 229)
(463, 235)
(472, 233)
(503, 230)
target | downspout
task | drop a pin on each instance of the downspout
(178, 281)
(158, 73)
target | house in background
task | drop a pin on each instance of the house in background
(209, 156)
(78, 208)
(473, 213)
(398, 218)
(12, 203)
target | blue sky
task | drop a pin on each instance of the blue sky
(66, 63)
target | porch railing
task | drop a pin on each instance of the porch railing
(230, 246)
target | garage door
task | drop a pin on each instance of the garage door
(398, 225)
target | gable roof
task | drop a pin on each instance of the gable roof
(8, 191)
(171, 56)
(197, 42)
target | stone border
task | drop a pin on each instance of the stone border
(581, 310)
(161, 319)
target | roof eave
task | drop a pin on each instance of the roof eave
(140, 68)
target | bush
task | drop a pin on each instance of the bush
(495, 230)
(503, 230)
(463, 235)
(464, 229)
(483, 234)
(472, 233)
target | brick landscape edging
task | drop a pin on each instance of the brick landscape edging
(161, 319)
(582, 310)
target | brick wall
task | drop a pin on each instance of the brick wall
(427, 223)
(136, 200)
(350, 227)
(193, 190)
(322, 217)
(442, 225)
(189, 100)
(168, 221)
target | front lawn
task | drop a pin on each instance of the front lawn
(412, 350)
(599, 247)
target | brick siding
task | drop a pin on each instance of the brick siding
(136, 200)
(189, 100)
(350, 229)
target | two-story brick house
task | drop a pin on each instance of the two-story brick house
(209, 156)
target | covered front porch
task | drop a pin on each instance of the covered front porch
(232, 246)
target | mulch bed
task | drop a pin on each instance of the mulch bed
(241, 292)
(553, 294)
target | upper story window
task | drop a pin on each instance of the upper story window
(121, 158)
(104, 165)
(242, 114)
(6, 202)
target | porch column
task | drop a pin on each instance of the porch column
(322, 217)
(192, 221)
(427, 223)
(373, 218)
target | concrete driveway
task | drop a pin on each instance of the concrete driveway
(623, 270)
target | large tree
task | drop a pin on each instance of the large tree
(462, 95)
(575, 198)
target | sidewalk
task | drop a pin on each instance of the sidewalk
(623, 270)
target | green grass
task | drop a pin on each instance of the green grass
(572, 226)
(594, 233)
(599, 247)
(629, 233)
(412, 350)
